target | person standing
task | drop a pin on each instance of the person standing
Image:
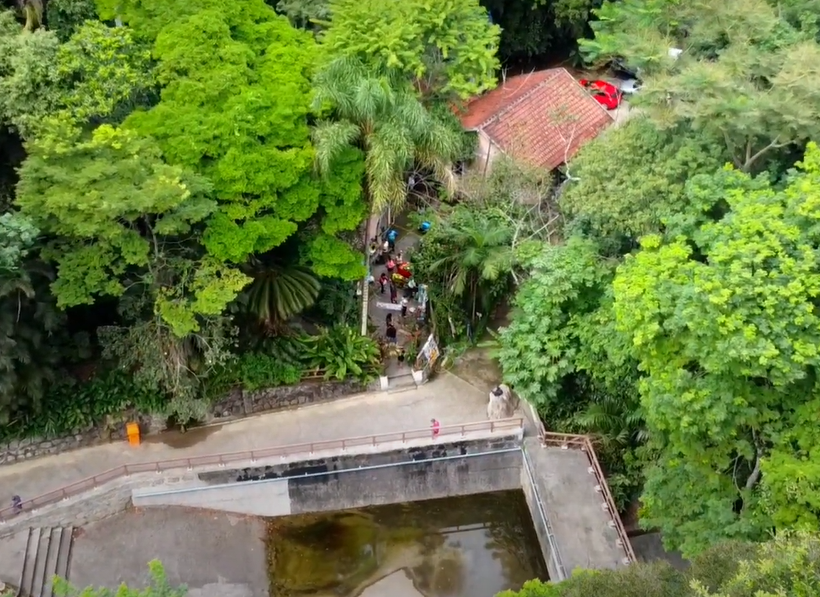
(394, 295)
(383, 281)
(391, 266)
(436, 427)
(391, 333)
(404, 303)
(392, 235)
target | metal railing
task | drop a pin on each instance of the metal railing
(306, 449)
(555, 553)
(582, 442)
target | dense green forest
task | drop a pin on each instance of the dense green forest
(179, 180)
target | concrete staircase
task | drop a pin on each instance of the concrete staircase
(401, 383)
(48, 553)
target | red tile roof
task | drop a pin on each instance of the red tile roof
(542, 117)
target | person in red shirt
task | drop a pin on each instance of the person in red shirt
(436, 427)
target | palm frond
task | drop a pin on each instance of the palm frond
(278, 293)
(330, 139)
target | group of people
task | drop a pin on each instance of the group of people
(397, 272)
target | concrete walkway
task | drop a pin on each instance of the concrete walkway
(447, 398)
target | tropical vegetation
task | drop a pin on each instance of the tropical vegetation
(785, 565)
(187, 190)
(675, 322)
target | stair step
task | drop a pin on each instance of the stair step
(40, 562)
(401, 383)
(27, 573)
(64, 557)
(55, 541)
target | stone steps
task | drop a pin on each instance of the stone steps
(48, 553)
(401, 383)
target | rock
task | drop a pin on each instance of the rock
(502, 403)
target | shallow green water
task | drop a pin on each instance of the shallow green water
(472, 546)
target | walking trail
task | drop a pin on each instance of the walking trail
(447, 398)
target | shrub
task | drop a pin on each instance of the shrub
(72, 405)
(342, 352)
(251, 370)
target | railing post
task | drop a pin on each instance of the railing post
(492, 426)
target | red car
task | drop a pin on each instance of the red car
(604, 93)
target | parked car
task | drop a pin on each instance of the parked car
(629, 86)
(604, 93)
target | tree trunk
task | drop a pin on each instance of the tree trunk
(365, 245)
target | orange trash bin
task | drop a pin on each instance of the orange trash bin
(133, 431)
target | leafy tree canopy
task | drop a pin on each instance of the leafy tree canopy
(64, 17)
(234, 107)
(444, 46)
(631, 180)
(532, 28)
(786, 565)
(539, 346)
(746, 75)
(119, 212)
(17, 235)
(304, 13)
(91, 77)
(724, 325)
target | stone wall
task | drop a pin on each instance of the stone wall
(239, 403)
(110, 431)
(235, 405)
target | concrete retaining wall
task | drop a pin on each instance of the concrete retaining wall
(115, 496)
(343, 482)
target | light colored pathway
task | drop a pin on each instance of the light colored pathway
(446, 398)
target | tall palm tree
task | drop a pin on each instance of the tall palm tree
(480, 252)
(382, 115)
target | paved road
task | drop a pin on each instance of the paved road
(447, 398)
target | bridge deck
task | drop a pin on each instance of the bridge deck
(575, 509)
